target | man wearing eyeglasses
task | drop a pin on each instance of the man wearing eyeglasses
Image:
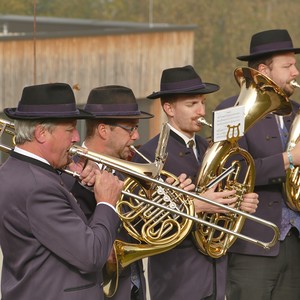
(112, 131)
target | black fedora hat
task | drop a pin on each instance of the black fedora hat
(182, 80)
(47, 101)
(114, 102)
(269, 42)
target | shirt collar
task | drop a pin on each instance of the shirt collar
(29, 154)
(183, 136)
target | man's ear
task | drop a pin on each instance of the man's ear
(264, 69)
(168, 109)
(102, 130)
(40, 133)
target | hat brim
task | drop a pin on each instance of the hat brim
(80, 114)
(209, 88)
(142, 115)
(257, 55)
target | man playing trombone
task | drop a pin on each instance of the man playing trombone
(50, 251)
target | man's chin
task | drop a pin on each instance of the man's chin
(289, 93)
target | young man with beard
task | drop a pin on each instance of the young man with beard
(255, 273)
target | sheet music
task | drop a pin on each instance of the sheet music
(232, 116)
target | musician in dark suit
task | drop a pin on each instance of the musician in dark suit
(50, 251)
(112, 131)
(255, 273)
(184, 272)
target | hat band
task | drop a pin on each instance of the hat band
(272, 46)
(112, 109)
(47, 110)
(187, 85)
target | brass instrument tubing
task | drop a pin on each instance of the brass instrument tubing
(219, 178)
(139, 153)
(75, 150)
(239, 235)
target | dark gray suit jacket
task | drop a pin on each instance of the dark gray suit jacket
(87, 203)
(264, 144)
(50, 252)
(183, 272)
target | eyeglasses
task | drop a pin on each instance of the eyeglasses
(130, 130)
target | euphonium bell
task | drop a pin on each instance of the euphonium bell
(260, 96)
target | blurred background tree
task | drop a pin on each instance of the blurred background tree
(224, 27)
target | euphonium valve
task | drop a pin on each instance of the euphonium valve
(259, 95)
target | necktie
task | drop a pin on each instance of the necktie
(190, 143)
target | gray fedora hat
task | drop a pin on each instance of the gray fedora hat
(114, 102)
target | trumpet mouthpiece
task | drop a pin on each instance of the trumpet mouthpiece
(294, 83)
(202, 121)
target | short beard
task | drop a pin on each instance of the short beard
(288, 93)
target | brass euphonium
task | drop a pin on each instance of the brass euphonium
(260, 96)
(292, 181)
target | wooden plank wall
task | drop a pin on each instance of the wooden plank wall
(135, 60)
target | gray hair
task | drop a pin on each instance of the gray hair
(24, 129)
